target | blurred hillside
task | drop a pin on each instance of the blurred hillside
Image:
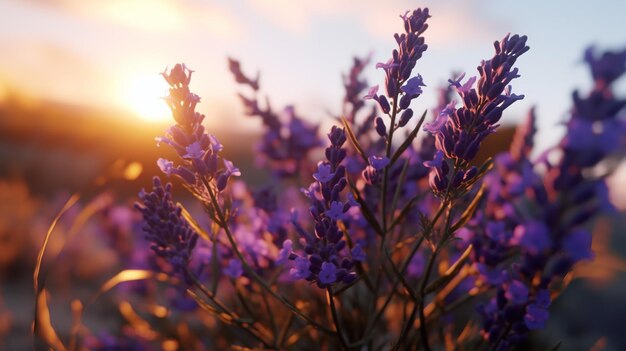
(54, 146)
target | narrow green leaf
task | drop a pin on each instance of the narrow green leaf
(353, 140)
(36, 275)
(194, 225)
(409, 140)
(557, 346)
(451, 272)
(470, 210)
(369, 216)
(42, 326)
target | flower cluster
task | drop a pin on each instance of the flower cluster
(170, 235)
(324, 249)
(459, 132)
(551, 236)
(401, 232)
(287, 140)
(401, 88)
(198, 150)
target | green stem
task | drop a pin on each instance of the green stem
(249, 270)
(224, 314)
(335, 315)
(394, 112)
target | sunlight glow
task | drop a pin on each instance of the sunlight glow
(143, 96)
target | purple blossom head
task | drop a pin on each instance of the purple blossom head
(335, 211)
(533, 237)
(606, 68)
(324, 173)
(235, 68)
(372, 94)
(437, 124)
(328, 274)
(194, 150)
(285, 252)
(535, 317)
(234, 269)
(413, 86)
(169, 233)
(378, 162)
(357, 253)
(516, 292)
(301, 268)
(577, 245)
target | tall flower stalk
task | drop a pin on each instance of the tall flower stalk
(405, 240)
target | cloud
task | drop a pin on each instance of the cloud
(162, 16)
(452, 22)
(51, 71)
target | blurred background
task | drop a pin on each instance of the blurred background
(80, 107)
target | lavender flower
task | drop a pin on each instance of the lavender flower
(550, 239)
(422, 227)
(459, 133)
(288, 140)
(401, 88)
(199, 151)
(170, 235)
(324, 263)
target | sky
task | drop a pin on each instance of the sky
(109, 53)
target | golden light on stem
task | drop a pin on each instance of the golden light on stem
(143, 95)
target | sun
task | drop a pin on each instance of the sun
(143, 96)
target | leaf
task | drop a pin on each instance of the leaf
(405, 209)
(470, 210)
(369, 216)
(194, 225)
(557, 346)
(127, 275)
(70, 202)
(408, 141)
(353, 140)
(450, 272)
(42, 326)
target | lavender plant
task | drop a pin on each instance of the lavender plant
(401, 241)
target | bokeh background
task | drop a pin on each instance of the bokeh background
(80, 107)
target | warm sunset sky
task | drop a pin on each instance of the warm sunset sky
(108, 53)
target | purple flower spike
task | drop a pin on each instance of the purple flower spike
(388, 65)
(516, 293)
(413, 86)
(357, 253)
(231, 169)
(436, 126)
(194, 150)
(285, 252)
(534, 237)
(170, 234)
(324, 173)
(301, 268)
(166, 166)
(335, 211)
(577, 245)
(234, 269)
(372, 93)
(378, 162)
(328, 274)
(535, 317)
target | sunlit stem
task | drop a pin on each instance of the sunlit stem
(224, 314)
(333, 311)
(249, 270)
(394, 112)
(367, 335)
